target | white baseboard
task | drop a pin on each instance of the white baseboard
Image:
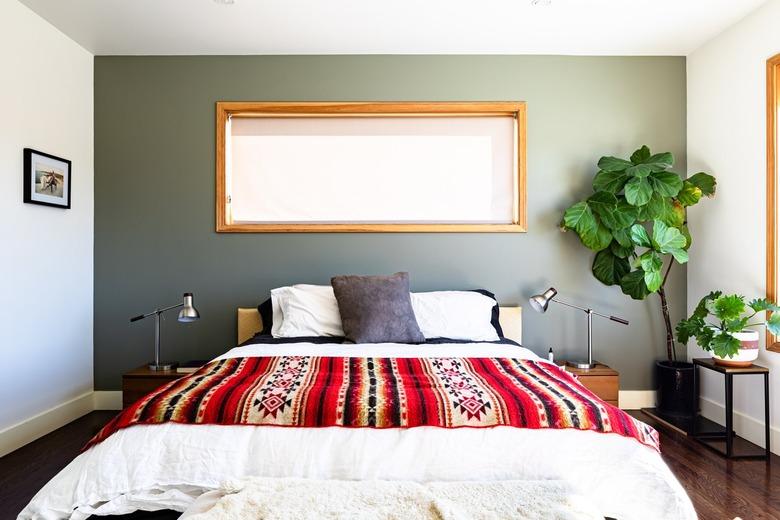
(636, 399)
(107, 400)
(746, 426)
(24, 432)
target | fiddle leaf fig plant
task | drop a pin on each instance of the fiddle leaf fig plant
(635, 221)
(731, 315)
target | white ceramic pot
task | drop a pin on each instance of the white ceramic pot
(748, 350)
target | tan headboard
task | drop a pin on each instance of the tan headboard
(511, 318)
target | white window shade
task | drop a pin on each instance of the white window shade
(371, 170)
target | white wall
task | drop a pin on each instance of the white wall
(726, 136)
(45, 253)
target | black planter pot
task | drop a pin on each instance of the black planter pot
(676, 388)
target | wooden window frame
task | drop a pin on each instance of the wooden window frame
(227, 109)
(772, 102)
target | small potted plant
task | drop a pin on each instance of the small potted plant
(728, 337)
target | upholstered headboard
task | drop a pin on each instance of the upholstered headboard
(249, 323)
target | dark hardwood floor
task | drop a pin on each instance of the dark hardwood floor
(720, 489)
(26, 470)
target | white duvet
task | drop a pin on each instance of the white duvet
(167, 466)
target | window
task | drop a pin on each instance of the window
(286, 167)
(772, 186)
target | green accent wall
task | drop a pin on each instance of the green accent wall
(154, 196)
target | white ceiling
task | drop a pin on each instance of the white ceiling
(591, 27)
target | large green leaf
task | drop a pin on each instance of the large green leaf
(612, 182)
(602, 202)
(689, 194)
(609, 268)
(660, 161)
(674, 215)
(641, 155)
(592, 233)
(665, 209)
(639, 236)
(621, 251)
(633, 284)
(704, 337)
(725, 345)
(655, 209)
(651, 264)
(665, 183)
(681, 255)
(579, 217)
(619, 216)
(687, 234)
(639, 170)
(638, 191)
(687, 329)
(653, 280)
(705, 182)
(613, 164)
(727, 307)
(623, 237)
(597, 238)
(650, 261)
(762, 304)
(701, 309)
(736, 325)
(666, 238)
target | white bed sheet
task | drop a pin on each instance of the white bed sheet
(167, 466)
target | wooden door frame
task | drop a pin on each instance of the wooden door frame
(772, 103)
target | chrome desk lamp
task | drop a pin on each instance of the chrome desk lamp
(187, 314)
(540, 302)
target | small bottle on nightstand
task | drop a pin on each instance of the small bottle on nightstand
(550, 356)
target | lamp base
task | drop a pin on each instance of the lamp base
(163, 365)
(582, 364)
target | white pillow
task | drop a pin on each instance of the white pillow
(455, 315)
(277, 296)
(305, 311)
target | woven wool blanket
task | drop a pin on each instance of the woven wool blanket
(366, 392)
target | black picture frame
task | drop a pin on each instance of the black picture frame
(29, 183)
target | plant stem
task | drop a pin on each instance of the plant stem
(671, 353)
(666, 275)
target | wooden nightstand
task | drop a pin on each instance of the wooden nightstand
(601, 380)
(140, 381)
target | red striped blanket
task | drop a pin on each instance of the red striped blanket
(310, 391)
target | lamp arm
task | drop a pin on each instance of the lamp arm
(570, 305)
(591, 311)
(156, 311)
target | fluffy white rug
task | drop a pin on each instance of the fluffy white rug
(282, 499)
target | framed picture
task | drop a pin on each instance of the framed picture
(46, 179)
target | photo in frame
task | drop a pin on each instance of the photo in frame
(47, 179)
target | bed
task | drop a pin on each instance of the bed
(167, 465)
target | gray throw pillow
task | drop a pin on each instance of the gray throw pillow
(376, 309)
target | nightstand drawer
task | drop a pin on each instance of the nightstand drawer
(606, 387)
(601, 380)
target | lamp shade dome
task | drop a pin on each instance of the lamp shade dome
(539, 302)
(188, 311)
